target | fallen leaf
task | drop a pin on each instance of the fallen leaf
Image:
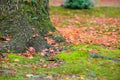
(16, 60)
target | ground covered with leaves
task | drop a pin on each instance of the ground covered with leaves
(89, 26)
(91, 50)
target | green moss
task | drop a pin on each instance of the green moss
(76, 61)
(14, 56)
(68, 56)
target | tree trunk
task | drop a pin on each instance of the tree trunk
(26, 21)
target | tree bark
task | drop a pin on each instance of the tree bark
(26, 21)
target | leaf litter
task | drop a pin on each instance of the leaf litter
(96, 30)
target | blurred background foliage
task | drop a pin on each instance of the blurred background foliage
(78, 4)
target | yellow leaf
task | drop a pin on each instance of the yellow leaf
(16, 60)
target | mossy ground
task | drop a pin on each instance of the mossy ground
(76, 62)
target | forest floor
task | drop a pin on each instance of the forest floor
(91, 51)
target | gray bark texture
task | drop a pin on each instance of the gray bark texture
(27, 21)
